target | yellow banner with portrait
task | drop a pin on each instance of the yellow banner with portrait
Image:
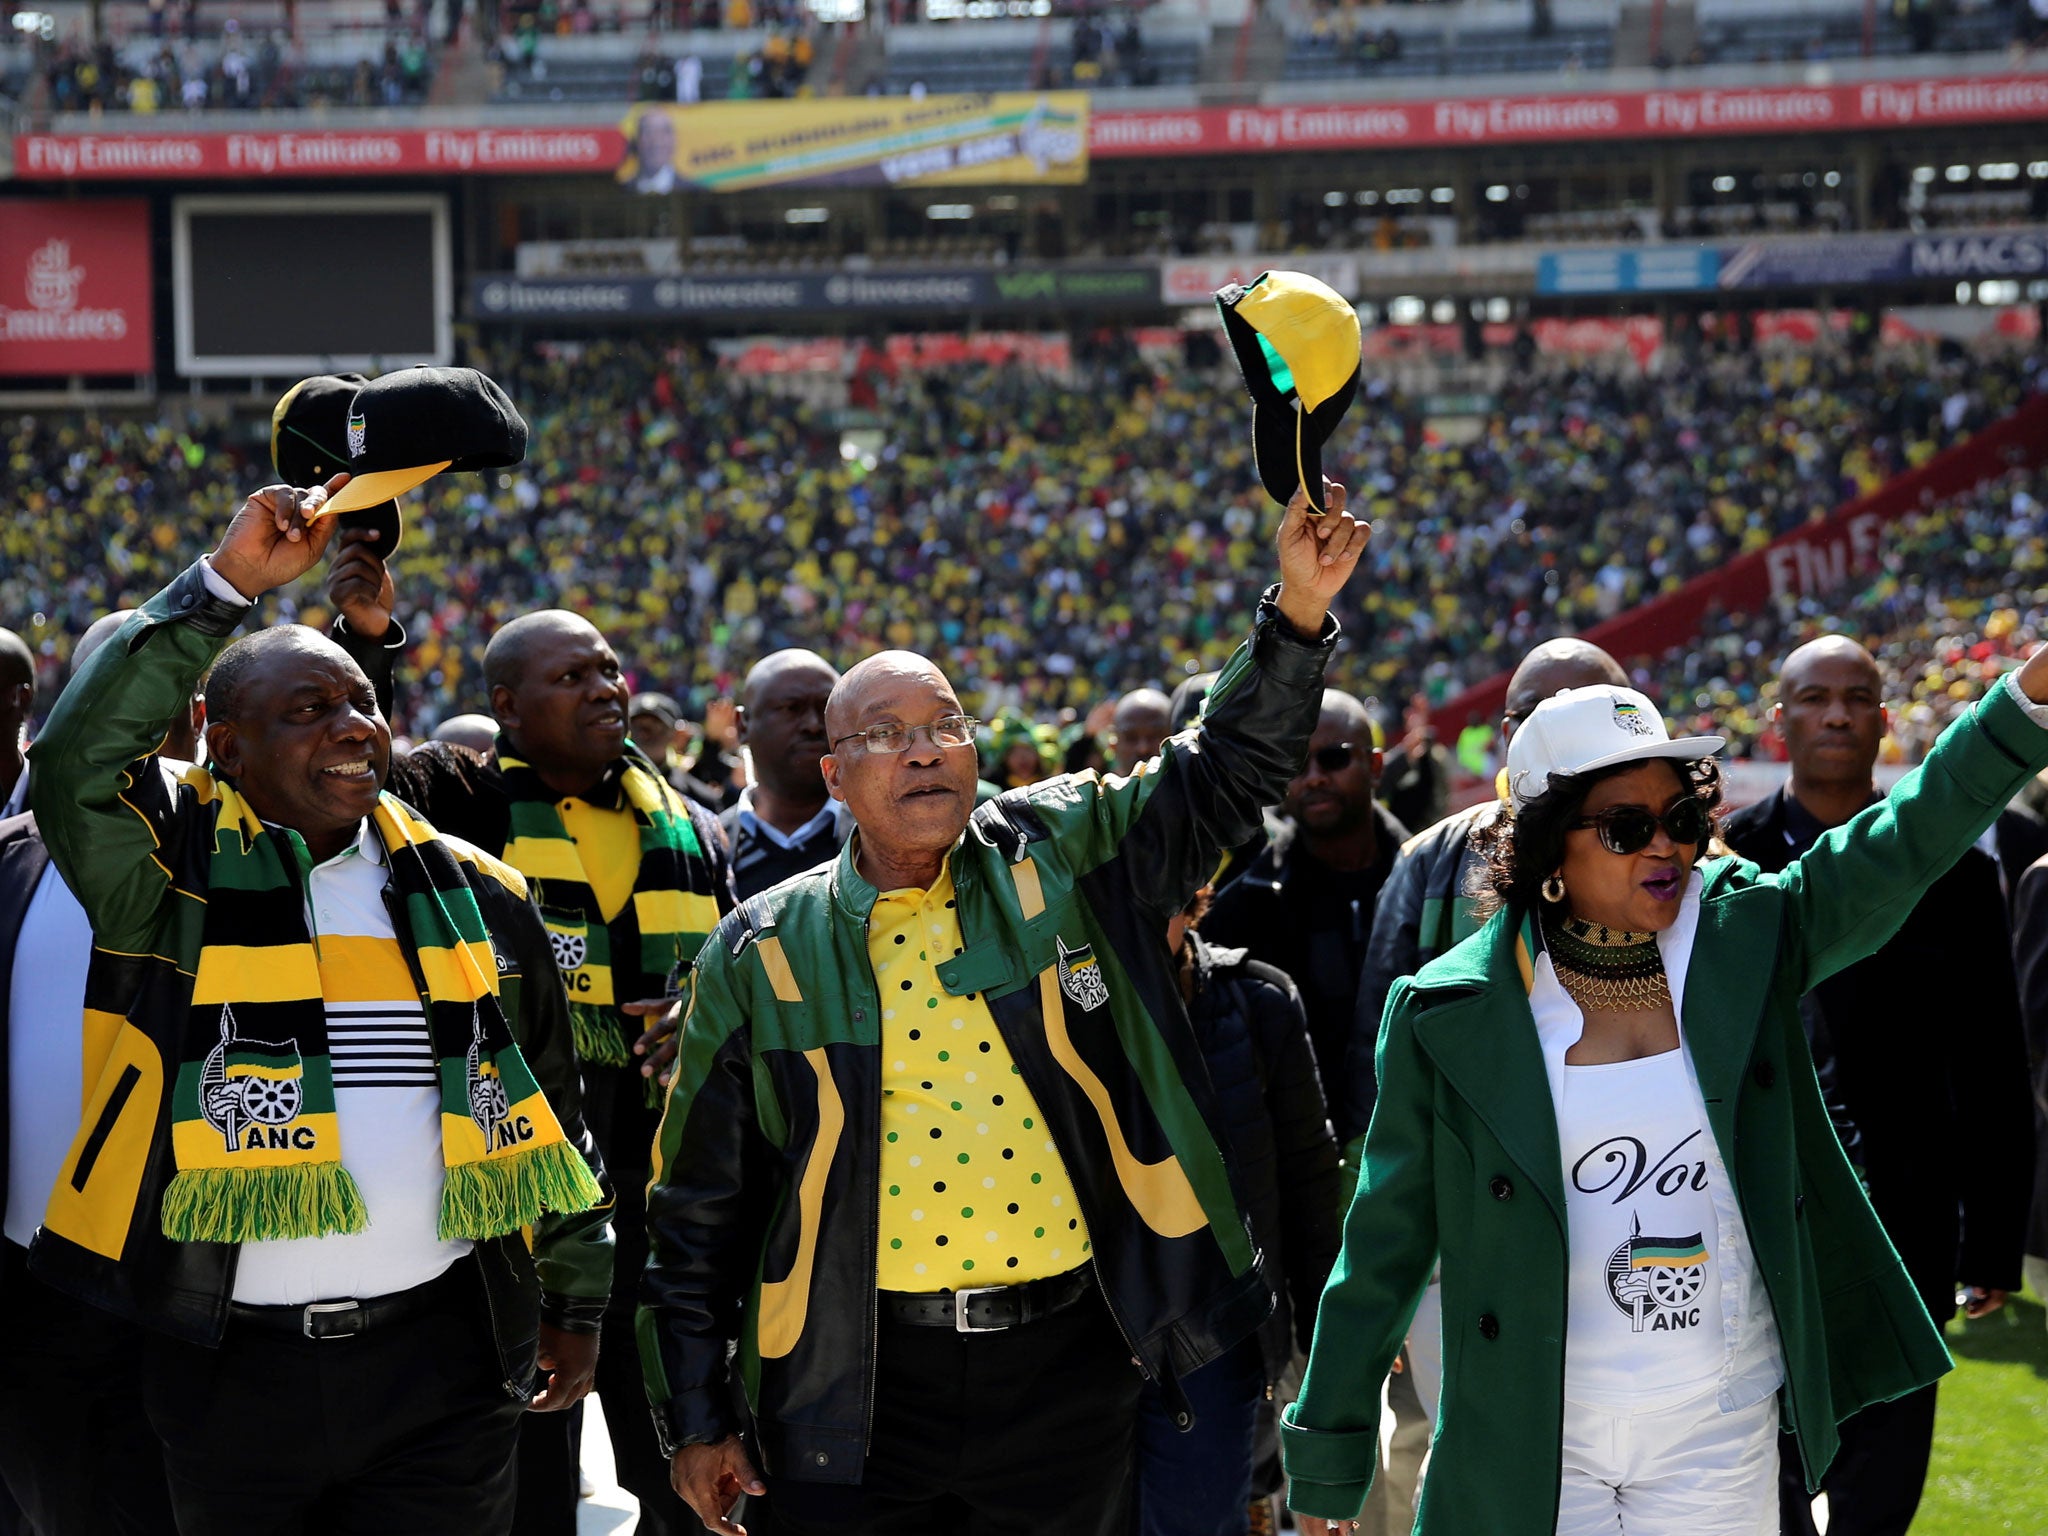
(865, 141)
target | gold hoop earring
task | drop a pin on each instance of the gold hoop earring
(1553, 889)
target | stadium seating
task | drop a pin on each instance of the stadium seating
(1065, 537)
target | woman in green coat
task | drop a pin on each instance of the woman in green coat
(1600, 1115)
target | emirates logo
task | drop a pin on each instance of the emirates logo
(53, 283)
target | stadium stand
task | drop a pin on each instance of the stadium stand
(702, 522)
(1962, 594)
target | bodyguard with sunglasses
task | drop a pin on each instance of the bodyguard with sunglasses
(1600, 1115)
(941, 1156)
(1305, 905)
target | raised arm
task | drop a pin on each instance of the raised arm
(1208, 787)
(106, 808)
(1853, 888)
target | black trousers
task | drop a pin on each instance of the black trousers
(1027, 1432)
(1874, 1486)
(404, 1430)
(76, 1454)
(623, 1124)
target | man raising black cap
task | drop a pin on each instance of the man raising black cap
(336, 1156)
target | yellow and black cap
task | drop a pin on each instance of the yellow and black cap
(408, 426)
(308, 446)
(1296, 341)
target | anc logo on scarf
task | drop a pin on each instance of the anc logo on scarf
(1081, 975)
(652, 940)
(247, 1086)
(254, 1133)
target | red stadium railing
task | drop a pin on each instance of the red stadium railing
(1809, 561)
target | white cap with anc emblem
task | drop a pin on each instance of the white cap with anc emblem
(1583, 729)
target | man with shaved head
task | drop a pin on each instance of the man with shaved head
(479, 733)
(1141, 722)
(1946, 1134)
(76, 1453)
(937, 1178)
(332, 1151)
(630, 876)
(785, 821)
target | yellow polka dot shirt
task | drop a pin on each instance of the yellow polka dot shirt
(973, 1189)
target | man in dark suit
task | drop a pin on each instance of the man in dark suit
(1946, 1126)
(76, 1453)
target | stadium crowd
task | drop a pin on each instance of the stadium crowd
(703, 521)
(1045, 546)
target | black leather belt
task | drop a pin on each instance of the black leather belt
(345, 1319)
(989, 1308)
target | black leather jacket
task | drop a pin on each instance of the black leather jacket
(1282, 1151)
(763, 1214)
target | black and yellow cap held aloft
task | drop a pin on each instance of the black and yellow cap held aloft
(309, 445)
(1297, 345)
(406, 427)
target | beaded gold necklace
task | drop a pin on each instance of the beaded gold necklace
(1612, 970)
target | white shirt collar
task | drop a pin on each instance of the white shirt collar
(835, 815)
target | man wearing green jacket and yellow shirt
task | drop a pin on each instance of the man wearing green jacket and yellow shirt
(332, 1150)
(940, 1155)
(1599, 1118)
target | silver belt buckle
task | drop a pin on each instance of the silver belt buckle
(960, 1323)
(306, 1318)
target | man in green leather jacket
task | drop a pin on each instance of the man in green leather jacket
(960, 1052)
(287, 1378)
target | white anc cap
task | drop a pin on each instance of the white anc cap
(1583, 729)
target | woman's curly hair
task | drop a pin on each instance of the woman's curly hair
(1523, 848)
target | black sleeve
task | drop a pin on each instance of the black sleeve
(377, 658)
(458, 790)
(1393, 951)
(1988, 1069)
(1304, 1146)
(573, 1252)
(1208, 789)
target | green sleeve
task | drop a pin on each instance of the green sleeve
(1329, 1436)
(102, 801)
(1850, 891)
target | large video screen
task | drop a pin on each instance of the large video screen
(268, 286)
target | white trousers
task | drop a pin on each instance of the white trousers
(1688, 1470)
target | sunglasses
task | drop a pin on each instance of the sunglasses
(1632, 828)
(1334, 759)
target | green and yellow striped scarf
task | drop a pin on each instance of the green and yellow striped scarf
(645, 950)
(254, 1134)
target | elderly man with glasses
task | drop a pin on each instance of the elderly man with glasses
(941, 1158)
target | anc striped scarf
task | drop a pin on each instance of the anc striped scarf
(254, 1134)
(645, 950)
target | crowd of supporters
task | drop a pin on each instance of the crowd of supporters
(266, 71)
(1070, 538)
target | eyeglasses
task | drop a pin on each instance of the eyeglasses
(1632, 828)
(946, 731)
(1334, 759)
